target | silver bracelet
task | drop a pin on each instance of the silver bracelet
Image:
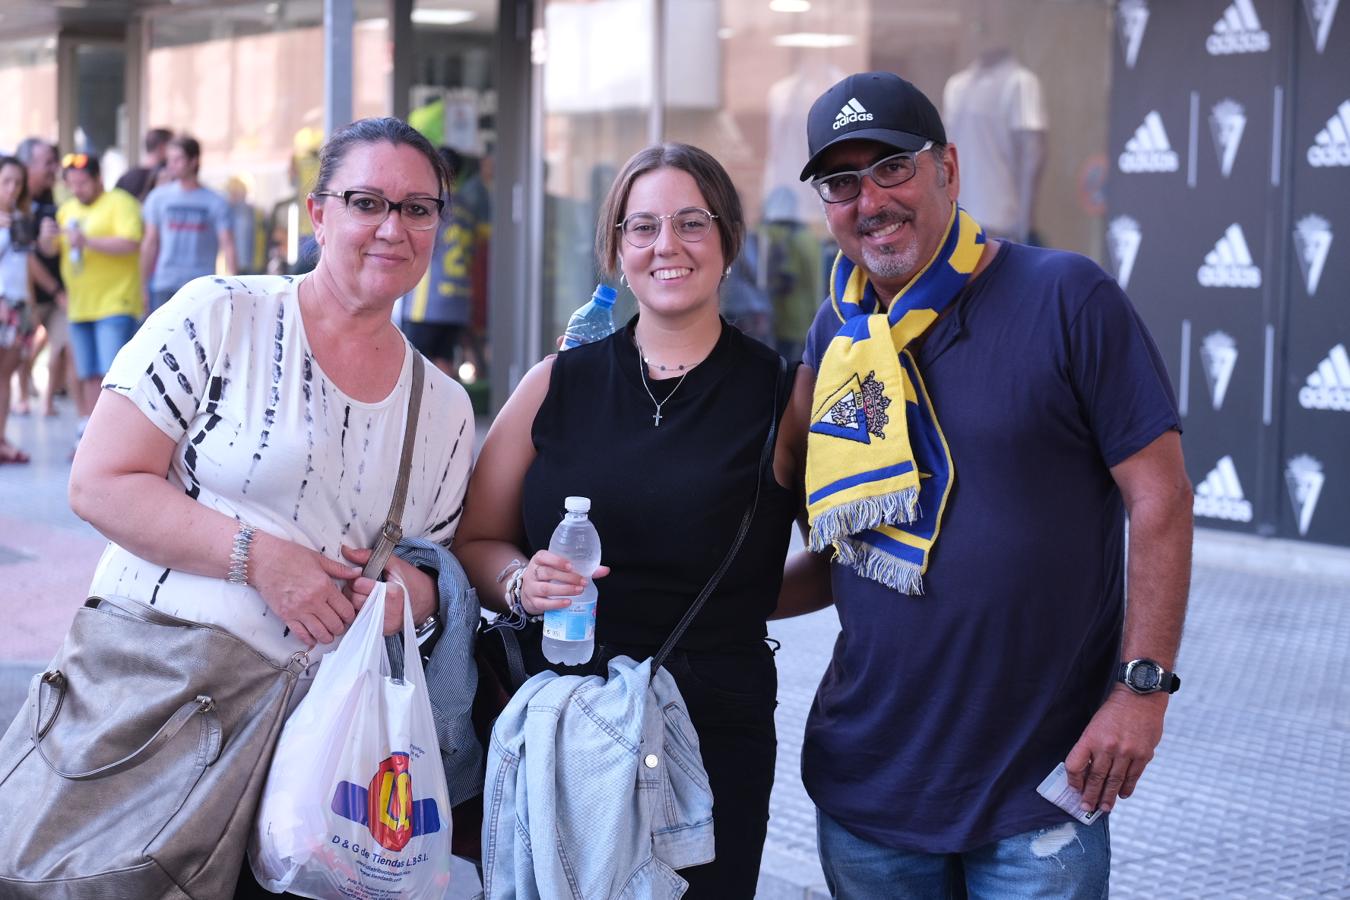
(513, 592)
(243, 541)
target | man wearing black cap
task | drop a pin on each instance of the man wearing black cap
(986, 416)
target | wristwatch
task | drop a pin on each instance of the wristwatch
(428, 629)
(1144, 676)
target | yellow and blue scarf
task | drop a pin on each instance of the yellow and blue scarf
(877, 481)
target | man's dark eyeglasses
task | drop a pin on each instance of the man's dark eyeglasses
(840, 187)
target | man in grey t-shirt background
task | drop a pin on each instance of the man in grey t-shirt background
(186, 226)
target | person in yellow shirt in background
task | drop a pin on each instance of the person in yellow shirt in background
(99, 235)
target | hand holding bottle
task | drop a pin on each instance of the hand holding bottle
(550, 581)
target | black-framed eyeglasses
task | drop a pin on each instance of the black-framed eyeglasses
(691, 224)
(895, 170)
(417, 213)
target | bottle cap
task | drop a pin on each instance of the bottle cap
(604, 295)
(577, 504)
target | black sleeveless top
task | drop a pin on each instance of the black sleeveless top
(667, 500)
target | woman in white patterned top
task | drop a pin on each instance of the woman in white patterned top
(267, 412)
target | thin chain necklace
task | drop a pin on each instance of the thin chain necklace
(642, 373)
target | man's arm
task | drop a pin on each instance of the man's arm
(149, 253)
(1119, 742)
(226, 238)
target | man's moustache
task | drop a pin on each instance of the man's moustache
(887, 217)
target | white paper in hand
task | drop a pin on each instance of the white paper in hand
(1057, 790)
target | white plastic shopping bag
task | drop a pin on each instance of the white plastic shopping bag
(355, 804)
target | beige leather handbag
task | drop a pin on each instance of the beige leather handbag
(135, 767)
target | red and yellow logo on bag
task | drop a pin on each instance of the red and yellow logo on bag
(386, 806)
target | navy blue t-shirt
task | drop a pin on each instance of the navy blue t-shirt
(940, 713)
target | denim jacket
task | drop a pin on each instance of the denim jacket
(452, 676)
(595, 789)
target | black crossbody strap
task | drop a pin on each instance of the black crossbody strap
(765, 457)
(391, 532)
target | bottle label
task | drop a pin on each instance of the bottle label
(575, 623)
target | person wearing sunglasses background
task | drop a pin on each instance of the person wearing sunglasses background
(244, 450)
(99, 235)
(662, 426)
(1016, 412)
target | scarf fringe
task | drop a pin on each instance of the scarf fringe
(833, 525)
(869, 562)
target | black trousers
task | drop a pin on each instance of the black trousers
(731, 699)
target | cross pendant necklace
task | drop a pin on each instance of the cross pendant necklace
(642, 373)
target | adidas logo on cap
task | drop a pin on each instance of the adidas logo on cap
(851, 112)
(1312, 240)
(1304, 478)
(1227, 121)
(1230, 263)
(1149, 150)
(1220, 495)
(1329, 386)
(1219, 354)
(1239, 31)
(1331, 147)
(1321, 13)
(1122, 239)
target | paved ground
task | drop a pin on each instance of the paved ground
(1247, 797)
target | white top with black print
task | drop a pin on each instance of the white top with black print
(265, 437)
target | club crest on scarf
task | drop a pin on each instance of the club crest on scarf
(857, 411)
(878, 469)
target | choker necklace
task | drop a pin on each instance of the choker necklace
(642, 373)
(660, 368)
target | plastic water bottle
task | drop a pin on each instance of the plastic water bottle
(593, 321)
(76, 253)
(569, 633)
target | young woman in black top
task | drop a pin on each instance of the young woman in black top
(662, 425)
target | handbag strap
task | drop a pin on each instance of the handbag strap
(391, 532)
(765, 459)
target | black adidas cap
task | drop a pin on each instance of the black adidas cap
(873, 106)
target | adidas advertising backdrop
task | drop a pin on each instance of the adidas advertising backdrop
(1229, 225)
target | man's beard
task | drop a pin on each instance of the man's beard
(888, 263)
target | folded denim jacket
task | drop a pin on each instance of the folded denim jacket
(452, 675)
(595, 789)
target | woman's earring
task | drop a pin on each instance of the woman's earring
(623, 278)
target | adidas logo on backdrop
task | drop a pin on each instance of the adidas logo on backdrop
(1312, 241)
(1331, 147)
(1304, 478)
(1220, 495)
(1227, 121)
(853, 111)
(1131, 20)
(1321, 13)
(1219, 354)
(1149, 150)
(1122, 240)
(1239, 31)
(1329, 386)
(1230, 263)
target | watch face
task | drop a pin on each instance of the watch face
(1145, 677)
